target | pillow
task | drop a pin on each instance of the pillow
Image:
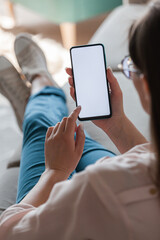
(113, 33)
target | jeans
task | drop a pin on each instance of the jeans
(43, 110)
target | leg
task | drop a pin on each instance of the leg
(68, 32)
(44, 109)
(92, 152)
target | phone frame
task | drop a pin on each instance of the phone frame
(105, 65)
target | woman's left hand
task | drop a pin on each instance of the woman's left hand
(62, 151)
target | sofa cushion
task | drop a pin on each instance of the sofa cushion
(8, 188)
(113, 32)
(10, 135)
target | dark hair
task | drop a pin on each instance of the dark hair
(144, 48)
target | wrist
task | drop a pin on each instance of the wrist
(41, 191)
(125, 135)
(116, 126)
(54, 176)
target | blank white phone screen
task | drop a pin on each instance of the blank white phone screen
(90, 81)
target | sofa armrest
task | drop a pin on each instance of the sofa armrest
(8, 188)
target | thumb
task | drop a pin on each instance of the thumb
(80, 140)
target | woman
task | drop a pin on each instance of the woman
(116, 198)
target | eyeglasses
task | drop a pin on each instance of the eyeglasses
(128, 68)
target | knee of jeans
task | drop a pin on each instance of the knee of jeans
(36, 120)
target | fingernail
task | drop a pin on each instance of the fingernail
(78, 107)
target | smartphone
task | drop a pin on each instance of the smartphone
(90, 81)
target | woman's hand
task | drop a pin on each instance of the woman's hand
(119, 128)
(113, 124)
(62, 154)
(62, 151)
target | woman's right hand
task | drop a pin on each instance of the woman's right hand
(110, 125)
(62, 150)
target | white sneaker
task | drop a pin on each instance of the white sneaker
(13, 88)
(31, 58)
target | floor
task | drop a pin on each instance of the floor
(47, 35)
(34, 23)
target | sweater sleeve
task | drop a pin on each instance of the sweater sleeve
(74, 210)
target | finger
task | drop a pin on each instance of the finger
(80, 140)
(70, 80)
(56, 127)
(71, 121)
(114, 85)
(49, 132)
(69, 71)
(72, 93)
(62, 125)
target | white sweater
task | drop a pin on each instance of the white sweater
(114, 199)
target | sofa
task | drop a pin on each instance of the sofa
(113, 34)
